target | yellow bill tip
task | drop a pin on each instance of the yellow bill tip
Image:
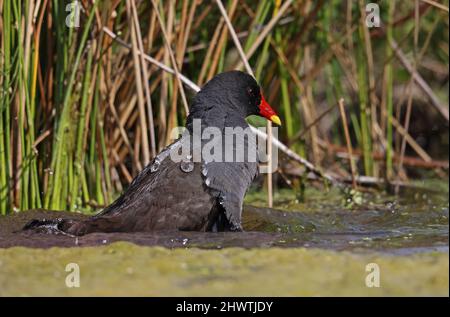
(275, 119)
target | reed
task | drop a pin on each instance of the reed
(81, 113)
(389, 92)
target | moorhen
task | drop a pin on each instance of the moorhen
(202, 195)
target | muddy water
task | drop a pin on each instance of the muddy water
(317, 247)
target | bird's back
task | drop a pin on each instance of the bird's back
(166, 195)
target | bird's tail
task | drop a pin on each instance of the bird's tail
(54, 226)
(74, 227)
(218, 220)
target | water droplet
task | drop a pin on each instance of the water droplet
(187, 166)
(155, 166)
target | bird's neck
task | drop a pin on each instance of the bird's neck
(213, 112)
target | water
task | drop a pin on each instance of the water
(415, 221)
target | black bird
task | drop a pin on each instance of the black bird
(202, 195)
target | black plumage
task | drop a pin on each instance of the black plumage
(201, 195)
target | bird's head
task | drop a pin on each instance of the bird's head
(242, 93)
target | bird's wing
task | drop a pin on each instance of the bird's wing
(148, 179)
(167, 194)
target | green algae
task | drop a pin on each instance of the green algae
(423, 194)
(126, 269)
(416, 220)
(316, 247)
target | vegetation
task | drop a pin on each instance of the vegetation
(81, 113)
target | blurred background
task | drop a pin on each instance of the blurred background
(361, 88)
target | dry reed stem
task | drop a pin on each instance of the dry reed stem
(267, 29)
(145, 79)
(139, 87)
(172, 57)
(436, 4)
(420, 81)
(348, 142)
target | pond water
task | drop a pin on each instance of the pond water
(325, 242)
